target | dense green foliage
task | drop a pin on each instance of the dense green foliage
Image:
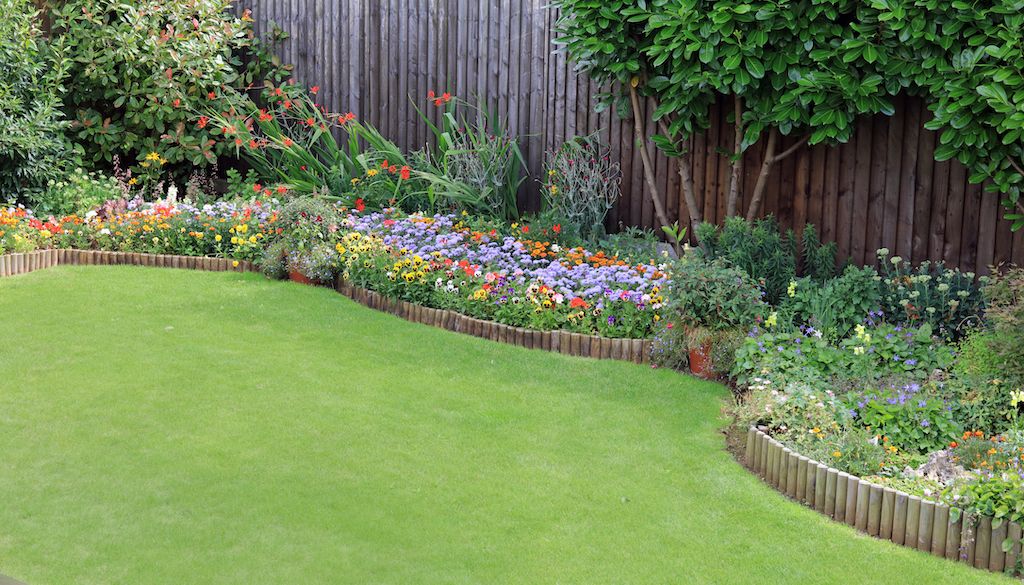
(139, 68)
(811, 67)
(33, 149)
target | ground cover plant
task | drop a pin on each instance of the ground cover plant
(391, 452)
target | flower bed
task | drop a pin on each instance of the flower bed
(442, 262)
(225, 230)
(884, 512)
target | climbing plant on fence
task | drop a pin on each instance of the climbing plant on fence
(808, 69)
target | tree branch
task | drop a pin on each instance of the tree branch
(762, 176)
(645, 156)
(791, 149)
(732, 201)
(683, 167)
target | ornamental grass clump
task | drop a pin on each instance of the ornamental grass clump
(581, 185)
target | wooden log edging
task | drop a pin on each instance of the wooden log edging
(25, 262)
(881, 511)
(575, 344)
(637, 351)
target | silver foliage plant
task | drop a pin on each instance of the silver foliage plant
(581, 184)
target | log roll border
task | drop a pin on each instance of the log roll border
(575, 344)
(637, 351)
(881, 511)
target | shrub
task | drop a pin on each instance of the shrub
(758, 248)
(77, 193)
(873, 352)
(33, 149)
(712, 295)
(1005, 314)
(581, 185)
(835, 307)
(910, 419)
(947, 299)
(139, 68)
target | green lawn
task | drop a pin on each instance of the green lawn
(162, 426)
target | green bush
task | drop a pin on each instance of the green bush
(712, 294)
(33, 148)
(77, 193)
(764, 252)
(1005, 314)
(138, 69)
(946, 298)
(835, 307)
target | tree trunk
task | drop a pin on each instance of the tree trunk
(645, 156)
(732, 202)
(688, 195)
(770, 158)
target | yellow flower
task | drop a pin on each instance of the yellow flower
(791, 291)
(771, 320)
(859, 350)
(355, 180)
(153, 156)
(252, 239)
(235, 263)
(554, 190)
(837, 454)
(133, 181)
(551, 173)
(371, 173)
(234, 240)
(218, 238)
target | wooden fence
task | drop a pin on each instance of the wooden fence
(882, 189)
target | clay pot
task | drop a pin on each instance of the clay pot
(296, 276)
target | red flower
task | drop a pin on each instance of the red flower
(288, 142)
(302, 168)
(430, 95)
(405, 173)
(257, 187)
(393, 169)
(310, 122)
(384, 165)
(177, 102)
(203, 121)
(314, 90)
(265, 116)
(360, 205)
(282, 189)
(577, 302)
(526, 229)
(389, 222)
(447, 97)
(252, 144)
(238, 142)
(438, 102)
(211, 96)
(557, 228)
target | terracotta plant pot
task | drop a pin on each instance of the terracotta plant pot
(296, 276)
(700, 361)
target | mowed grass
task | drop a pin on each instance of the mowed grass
(162, 426)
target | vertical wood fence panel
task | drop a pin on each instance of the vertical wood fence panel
(884, 188)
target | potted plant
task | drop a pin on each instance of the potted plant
(710, 301)
(308, 239)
